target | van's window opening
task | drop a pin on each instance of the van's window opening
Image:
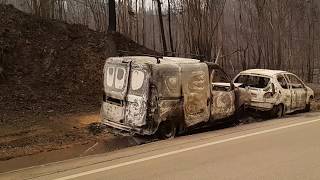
(115, 77)
(119, 81)
(253, 81)
(137, 79)
(110, 76)
(220, 76)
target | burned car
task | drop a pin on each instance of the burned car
(165, 95)
(278, 92)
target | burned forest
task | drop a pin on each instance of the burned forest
(85, 77)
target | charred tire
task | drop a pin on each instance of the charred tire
(238, 115)
(277, 111)
(167, 129)
(235, 119)
(308, 106)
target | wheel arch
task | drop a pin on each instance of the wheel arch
(309, 98)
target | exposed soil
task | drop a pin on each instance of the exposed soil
(51, 82)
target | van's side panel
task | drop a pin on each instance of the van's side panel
(196, 93)
(167, 80)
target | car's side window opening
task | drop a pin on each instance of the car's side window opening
(294, 81)
(282, 81)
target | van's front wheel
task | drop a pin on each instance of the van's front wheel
(167, 129)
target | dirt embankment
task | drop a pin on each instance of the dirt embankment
(50, 81)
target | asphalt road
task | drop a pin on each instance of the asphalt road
(287, 148)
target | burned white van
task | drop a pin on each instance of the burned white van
(147, 95)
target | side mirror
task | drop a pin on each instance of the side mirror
(273, 89)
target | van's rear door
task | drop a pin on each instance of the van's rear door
(196, 93)
(127, 90)
(137, 96)
(116, 77)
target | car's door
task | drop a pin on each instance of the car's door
(285, 91)
(222, 95)
(195, 89)
(299, 92)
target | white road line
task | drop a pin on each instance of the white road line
(182, 150)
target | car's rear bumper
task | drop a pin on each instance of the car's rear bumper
(262, 106)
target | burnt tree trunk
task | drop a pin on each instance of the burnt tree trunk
(137, 22)
(143, 24)
(112, 16)
(164, 44)
(170, 29)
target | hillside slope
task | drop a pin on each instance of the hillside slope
(52, 61)
(50, 79)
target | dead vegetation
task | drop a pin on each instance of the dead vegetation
(50, 81)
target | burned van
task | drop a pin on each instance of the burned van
(147, 95)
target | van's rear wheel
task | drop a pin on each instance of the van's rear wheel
(167, 129)
(277, 111)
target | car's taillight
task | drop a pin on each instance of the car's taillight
(268, 95)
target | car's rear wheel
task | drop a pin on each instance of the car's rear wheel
(167, 129)
(277, 111)
(308, 105)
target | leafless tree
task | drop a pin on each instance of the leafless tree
(112, 16)
(240, 33)
(163, 37)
